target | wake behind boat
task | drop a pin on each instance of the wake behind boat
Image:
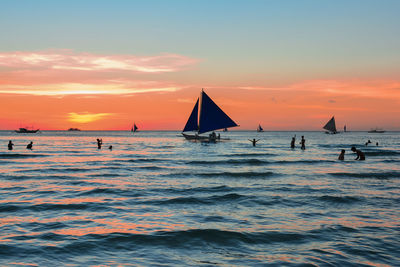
(330, 126)
(206, 117)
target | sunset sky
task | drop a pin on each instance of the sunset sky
(289, 65)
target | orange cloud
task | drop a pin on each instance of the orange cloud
(63, 72)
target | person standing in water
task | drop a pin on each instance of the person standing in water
(254, 141)
(29, 146)
(360, 154)
(303, 142)
(341, 156)
(292, 143)
(99, 143)
(10, 145)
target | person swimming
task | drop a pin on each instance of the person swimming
(303, 143)
(10, 145)
(360, 154)
(341, 156)
(110, 147)
(254, 141)
(293, 142)
(29, 146)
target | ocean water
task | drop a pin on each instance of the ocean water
(159, 200)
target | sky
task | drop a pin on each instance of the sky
(288, 65)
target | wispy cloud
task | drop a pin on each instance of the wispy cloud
(86, 117)
(69, 60)
(84, 89)
(64, 72)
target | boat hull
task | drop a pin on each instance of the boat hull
(27, 131)
(195, 137)
(376, 131)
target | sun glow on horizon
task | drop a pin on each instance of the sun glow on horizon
(87, 117)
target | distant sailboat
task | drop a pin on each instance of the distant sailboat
(330, 126)
(345, 128)
(260, 129)
(134, 128)
(225, 130)
(206, 116)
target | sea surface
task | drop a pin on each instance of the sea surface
(159, 200)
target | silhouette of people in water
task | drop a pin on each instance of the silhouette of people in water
(360, 154)
(341, 156)
(99, 143)
(303, 143)
(212, 137)
(293, 142)
(110, 147)
(368, 142)
(10, 145)
(254, 141)
(29, 146)
(377, 144)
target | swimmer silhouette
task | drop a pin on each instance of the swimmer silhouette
(292, 143)
(360, 154)
(341, 156)
(10, 145)
(99, 143)
(303, 143)
(254, 141)
(29, 146)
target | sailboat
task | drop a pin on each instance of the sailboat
(134, 128)
(330, 126)
(206, 117)
(225, 130)
(260, 129)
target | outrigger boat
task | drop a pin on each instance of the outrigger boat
(25, 130)
(206, 117)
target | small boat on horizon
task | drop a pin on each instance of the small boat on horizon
(26, 130)
(330, 126)
(259, 128)
(73, 129)
(376, 130)
(206, 117)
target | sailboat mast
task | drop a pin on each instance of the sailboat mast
(200, 109)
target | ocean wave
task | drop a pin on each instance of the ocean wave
(202, 200)
(51, 207)
(195, 237)
(377, 175)
(17, 156)
(382, 153)
(237, 174)
(339, 199)
(231, 161)
(249, 154)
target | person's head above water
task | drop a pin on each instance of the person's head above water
(353, 148)
(343, 150)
